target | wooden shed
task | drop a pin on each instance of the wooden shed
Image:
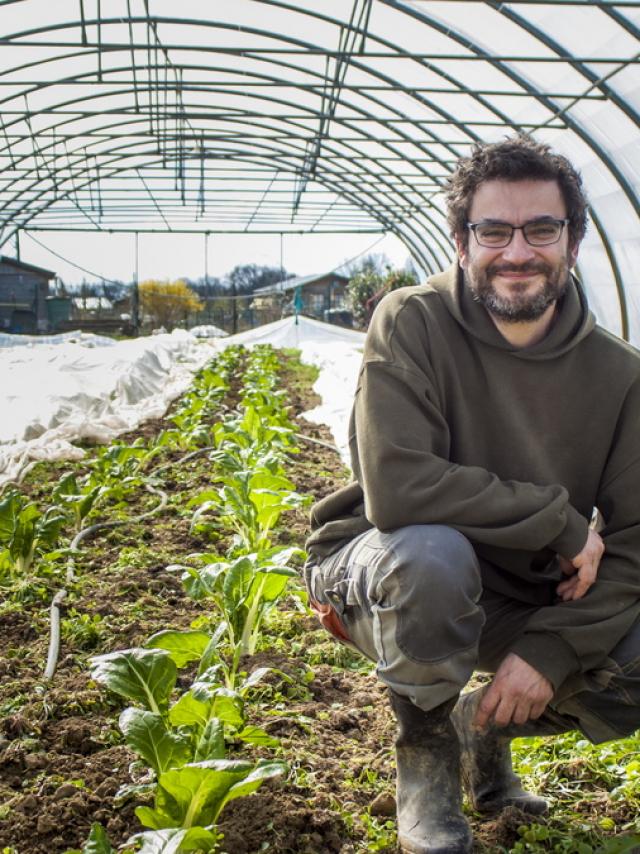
(24, 289)
(315, 296)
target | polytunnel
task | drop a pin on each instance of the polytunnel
(266, 116)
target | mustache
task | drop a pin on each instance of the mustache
(529, 268)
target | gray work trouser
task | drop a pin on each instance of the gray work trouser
(412, 601)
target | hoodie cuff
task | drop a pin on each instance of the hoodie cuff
(549, 654)
(573, 537)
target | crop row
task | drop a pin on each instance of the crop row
(182, 737)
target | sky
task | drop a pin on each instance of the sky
(171, 256)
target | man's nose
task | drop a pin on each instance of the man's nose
(518, 250)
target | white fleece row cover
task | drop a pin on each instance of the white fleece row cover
(61, 389)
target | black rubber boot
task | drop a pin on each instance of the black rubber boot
(429, 796)
(487, 772)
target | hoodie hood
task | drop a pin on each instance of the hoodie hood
(573, 322)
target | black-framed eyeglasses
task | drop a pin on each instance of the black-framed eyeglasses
(537, 232)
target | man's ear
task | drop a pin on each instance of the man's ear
(573, 254)
(462, 250)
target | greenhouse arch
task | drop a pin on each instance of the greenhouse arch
(298, 117)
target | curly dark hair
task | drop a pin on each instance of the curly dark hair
(518, 158)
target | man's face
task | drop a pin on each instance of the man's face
(517, 283)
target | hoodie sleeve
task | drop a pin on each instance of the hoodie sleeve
(575, 636)
(400, 447)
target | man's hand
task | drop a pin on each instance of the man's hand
(517, 693)
(582, 569)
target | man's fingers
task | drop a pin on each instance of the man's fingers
(576, 586)
(504, 712)
(486, 707)
(566, 566)
(517, 693)
(521, 713)
(537, 709)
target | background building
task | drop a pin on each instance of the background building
(24, 289)
(321, 296)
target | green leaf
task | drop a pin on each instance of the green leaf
(157, 819)
(98, 841)
(202, 582)
(269, 505)
(183, 647)
(278, 555)
(212, 656)
(66, 486)
(49, 527)
(257, 676)
(145, 675)
(272, 582)
(176, 840)
(146, 734)
(256, 735)
(228, 706)
(24, 531)
(9, 509)
(202, 702)
(211, 743)
(237, 583)
(200, 789)
(264, 480)
(191, 709)
(88, 500)
(210, 495)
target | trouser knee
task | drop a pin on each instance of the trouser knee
(408, 600)
(433, 586)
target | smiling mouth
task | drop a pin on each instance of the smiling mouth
(516, 276)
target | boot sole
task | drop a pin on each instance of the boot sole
(408, 847)
(523, 806)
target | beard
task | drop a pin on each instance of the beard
(519, 306)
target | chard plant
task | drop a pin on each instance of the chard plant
(118, 469)
(255, 431)
(243, 590)
(194, 795)
(250, 503)
(182, 743)
(76, 499)
(196, 725)
(26, 534)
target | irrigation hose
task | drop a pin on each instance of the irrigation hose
(190, 456)
(318, 442)
(54, 637)
(54, 634)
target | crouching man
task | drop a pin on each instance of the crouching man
(492, 415)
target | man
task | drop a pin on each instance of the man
(492, 415)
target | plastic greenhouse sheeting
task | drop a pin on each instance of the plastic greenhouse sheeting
(56, 393)
(80, 387)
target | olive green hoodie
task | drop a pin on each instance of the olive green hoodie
(512, 447)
